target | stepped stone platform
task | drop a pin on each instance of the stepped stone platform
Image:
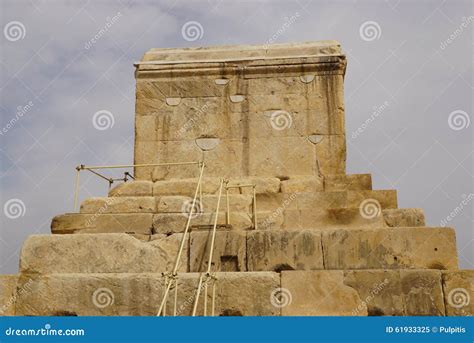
(295, 234)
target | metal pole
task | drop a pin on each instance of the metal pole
(205, 297)
(228, 206)
(255, 208)
(214, 229)
(213, 306)
(198, 292)
(76, 189)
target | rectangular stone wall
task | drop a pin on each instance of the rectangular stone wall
(254, 114)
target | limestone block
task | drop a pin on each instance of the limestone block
(321, 218)
(404, 217)
(132, 189)
(385, 198)
(277, 202)
(229, 254)
(179, 87)
(342, 182)
(8, 294)
(151, 106)
(128, 294)
(141, 204)
(176, 222)
(331, 154)
(146, 128)
(276, 85)
(140, 223)
(458, 287)
(223, 161)
(263, 185)
(180, 204)
(185, 186)
(279, 123)
(111, 253)
(270, 220)
(380, 291)
(284, 250)
(319, 293)
(390, 248)
(422, 292)
(296, 184)
(281, 156)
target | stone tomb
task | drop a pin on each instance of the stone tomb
(320, 242)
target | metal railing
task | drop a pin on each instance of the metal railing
(254, 201)
(127, 175)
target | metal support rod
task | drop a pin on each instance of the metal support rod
(181, 247)
(98, 174)
(205, 297)
(213, 305)
(76, 188)
(164, 307)
(214, 229)
(228, 206)
(198, 293)
(175, 307)
(139, 165)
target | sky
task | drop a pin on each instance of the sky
(408, 95)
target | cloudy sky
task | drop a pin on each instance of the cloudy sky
(412, 59)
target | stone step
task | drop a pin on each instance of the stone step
(290, 293)
(402, 217)
(382, 199)
(163, 204)
(264, 185)
(349, 182)
(139, 223)
(389, 248)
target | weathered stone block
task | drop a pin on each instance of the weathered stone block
(8, 294)
(404, 217)
(132, 189)
(139, 223)
(284, 250)
(181, 204)
(458, 287)
(141, 204)
(297, 184)
(229, 254)
(128, 294)
(186, 186)
(176, 222)
(390, 248)
(112, 253)
(422, 292)
(319, 293)
(342, 182)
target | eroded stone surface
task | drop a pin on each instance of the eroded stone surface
(404, 217)
(458, 288)
(132, 189)
(284, 250)
(120, 204)
(8, 294)
(319, 293)
(112, 253)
